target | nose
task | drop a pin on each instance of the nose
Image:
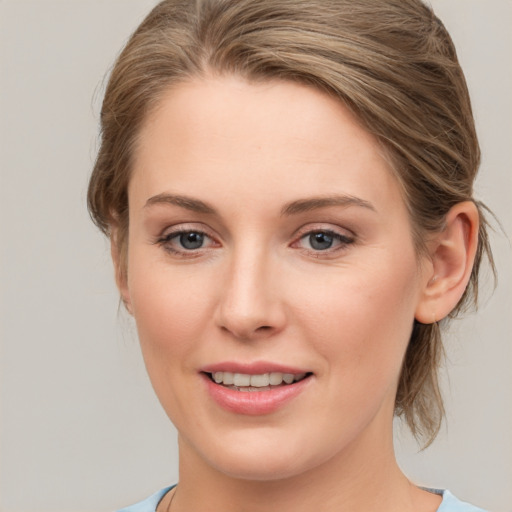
(251, 304)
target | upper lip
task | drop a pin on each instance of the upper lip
(254, 368)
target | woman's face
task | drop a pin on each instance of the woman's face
(269, 240)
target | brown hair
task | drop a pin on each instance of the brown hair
(391, 62)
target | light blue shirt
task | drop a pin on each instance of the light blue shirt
(449, 504)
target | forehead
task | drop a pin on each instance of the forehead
(277, 139)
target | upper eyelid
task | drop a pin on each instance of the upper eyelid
(313, 227)
(343, 239)
(185, 227)
(329, 231)
(173, 234)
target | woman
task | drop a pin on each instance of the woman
(287, 187)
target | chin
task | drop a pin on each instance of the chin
(262, 457)
(261, 470)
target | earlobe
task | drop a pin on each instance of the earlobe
(120, 270)
(452, 253)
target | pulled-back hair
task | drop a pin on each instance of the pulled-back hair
(391, 62)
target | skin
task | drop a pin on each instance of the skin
(257, 290)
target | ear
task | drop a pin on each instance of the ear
(120, 268)
(452, 253)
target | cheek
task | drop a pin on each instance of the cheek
(169, 308)
(362, 321)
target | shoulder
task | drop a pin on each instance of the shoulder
(449, 504)
(452, 504)
(149, 504)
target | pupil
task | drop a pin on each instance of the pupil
(320, 241)
(191, 240)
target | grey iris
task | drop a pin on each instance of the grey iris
(320, 241)
(191, 240)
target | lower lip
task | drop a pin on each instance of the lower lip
(254, 403)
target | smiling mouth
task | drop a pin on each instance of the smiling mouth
(260, 382)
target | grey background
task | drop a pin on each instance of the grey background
(80, 429)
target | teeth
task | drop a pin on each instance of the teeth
(229, 378)
(256, 381)
(275, 378)
(241, 379)
(260, 381)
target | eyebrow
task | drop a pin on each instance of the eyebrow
(188, 203)
(292, 208)
(314, 203)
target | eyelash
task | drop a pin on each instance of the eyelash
(342, 242)
(166, 242)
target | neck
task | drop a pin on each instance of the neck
(363, 477)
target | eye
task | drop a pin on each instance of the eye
(324, 240)
(186, 242)
(320, 241)
(190, 240)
